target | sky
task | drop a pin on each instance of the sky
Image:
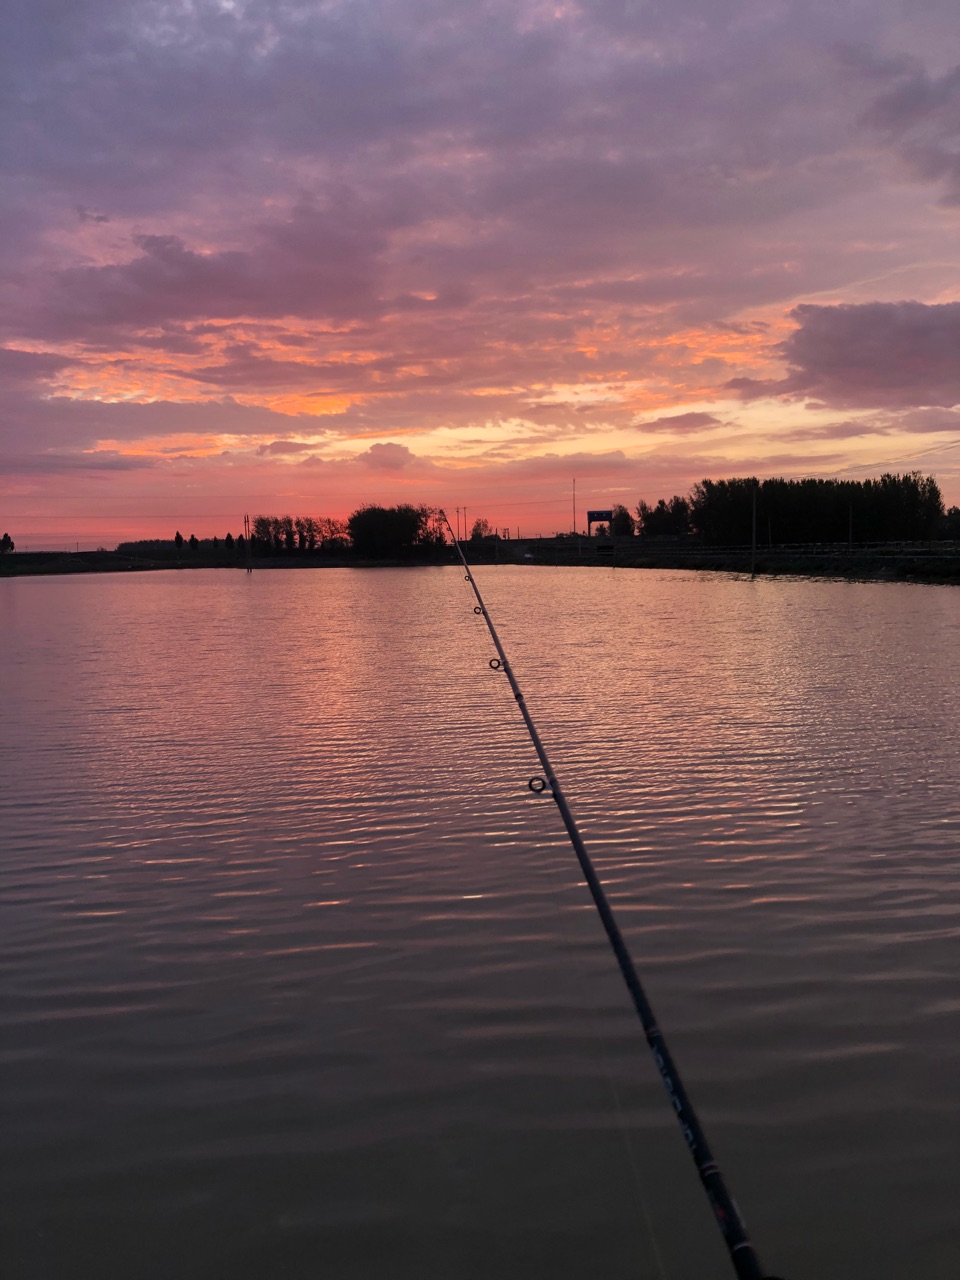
(291, 258)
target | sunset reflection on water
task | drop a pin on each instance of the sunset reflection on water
(299, 969)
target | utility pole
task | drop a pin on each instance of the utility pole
(574, 506)
(247, 549)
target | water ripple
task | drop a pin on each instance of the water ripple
(301, 979)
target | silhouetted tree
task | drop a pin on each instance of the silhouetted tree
(194, 542)
(6, 544)
(435, 530)
(261, 534)
(303, 527)
(481, 529)
(331, 534)
(393, 531)
(228, 541)
(721, 511)
(892, 508)
(178, 540)
(671, 517)
(907, 507)
(679, 509)
(951, 523)
(287, 533)
(623, 522)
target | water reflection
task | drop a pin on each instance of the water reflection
(300, 976)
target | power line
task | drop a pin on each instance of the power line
(892, 462)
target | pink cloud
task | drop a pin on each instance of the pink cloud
(308, 210)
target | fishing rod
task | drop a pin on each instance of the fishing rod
(746, 1264)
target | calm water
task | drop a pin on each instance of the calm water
(299, 979)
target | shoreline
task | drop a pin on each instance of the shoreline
(927, 564)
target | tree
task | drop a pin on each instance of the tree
(893, 508)
(481, 529)
(178, 539)
(228, 542)
(434, 532)
(907, 507)
(623, 523)
(671, 518)
(6, 544)
(393, 531)
(288, 533)
(262, 534)
(331, 534)
(722, 510)
(306, 532)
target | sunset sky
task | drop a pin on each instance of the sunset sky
(294, 257)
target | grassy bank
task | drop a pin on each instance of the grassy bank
(929, 562)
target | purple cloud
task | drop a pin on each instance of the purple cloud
(387, 457)
(425, 214)
(316, 263)
(63, 463)
(920, 118)
(284, 447)
(683, 423)
(878, 354)
(19, 368)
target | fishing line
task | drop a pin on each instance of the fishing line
(742, 1254)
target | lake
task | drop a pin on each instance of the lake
(300, 978)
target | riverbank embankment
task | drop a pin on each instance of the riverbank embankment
(937, 562)
(933, 562)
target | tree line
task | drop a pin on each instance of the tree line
(284, 535)
(213, 550)
(893, 508)
(372, 532)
